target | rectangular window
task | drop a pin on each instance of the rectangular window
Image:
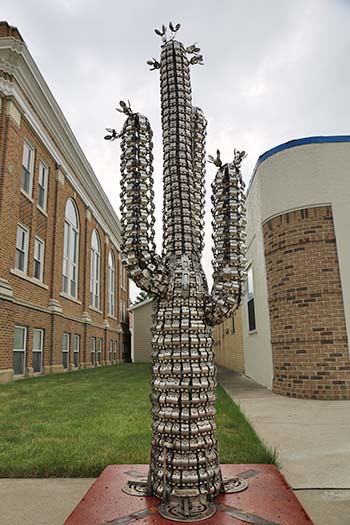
(233, 324)
(250, 300)
(19, 350)
(43, 183)
(37, 358)
(22, 243)
(99, 351)
(111, 351)
(70, 260)
(122, 275)
(39, 248)
(93, 349)
(27, 168)
(66, 258)
(95, 280)
(65, 351)
(111, 286)
(76, 349)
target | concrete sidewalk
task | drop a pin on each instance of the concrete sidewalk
(40, 501)
(312, 439)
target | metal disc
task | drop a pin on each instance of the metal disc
(136, 488)
(232, 485)
(187, 510)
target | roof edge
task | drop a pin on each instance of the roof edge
(320, 139)
(141, 303)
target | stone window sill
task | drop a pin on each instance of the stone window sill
(26, 277)
(94, 309)
(70, 298)
(252, 332)
(27, 196)
(41, 210)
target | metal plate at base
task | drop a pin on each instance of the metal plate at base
(186, 510)
(136, 488)
(232, 485)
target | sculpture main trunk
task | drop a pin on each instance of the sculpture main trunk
(184, 459)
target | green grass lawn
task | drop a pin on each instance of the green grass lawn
(75, 424)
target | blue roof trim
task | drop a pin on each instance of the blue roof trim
(300, 142)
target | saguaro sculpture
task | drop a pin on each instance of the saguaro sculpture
(184, 467)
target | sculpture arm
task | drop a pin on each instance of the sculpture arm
(229, 242)
(137, 206)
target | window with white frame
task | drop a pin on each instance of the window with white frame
(70, 250)
(76, 350)
(250, 300)
(99, 351)
(95, 270)
(93, 350)
(233, 326)
(27, 168)
(65, 351)
(42, 186)
(19, 350)
(37, 354)
(22, 244)
(118, 273)
(122, 277)
(110, 351)
(39, 249)
(111, 284)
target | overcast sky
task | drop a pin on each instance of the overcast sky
(274, 70)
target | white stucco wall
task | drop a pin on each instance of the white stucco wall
(298, 177)
(257, 345)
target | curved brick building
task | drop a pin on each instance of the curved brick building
(296, 316)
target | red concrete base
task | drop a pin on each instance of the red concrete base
(268, 500)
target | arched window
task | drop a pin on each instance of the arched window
(95, 270)
(111, 284)
(70, 250)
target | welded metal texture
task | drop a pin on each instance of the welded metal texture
(184, 467)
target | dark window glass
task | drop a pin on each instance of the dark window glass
(18, 363)
(65, 356)
(37, 362)
(251, 315)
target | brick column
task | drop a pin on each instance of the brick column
(308, 333)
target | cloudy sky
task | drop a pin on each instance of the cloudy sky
(274, 70)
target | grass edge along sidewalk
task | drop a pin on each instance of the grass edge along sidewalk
(74, 424)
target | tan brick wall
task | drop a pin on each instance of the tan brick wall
(308, 333)
(142, 333)
(228, 344)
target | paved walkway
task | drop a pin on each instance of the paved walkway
(313, 443)
(40, 501)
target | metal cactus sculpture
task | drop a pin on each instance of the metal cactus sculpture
(184, 467)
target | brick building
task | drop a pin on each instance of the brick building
(228, 343)
(296, 310)
(64, 294)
